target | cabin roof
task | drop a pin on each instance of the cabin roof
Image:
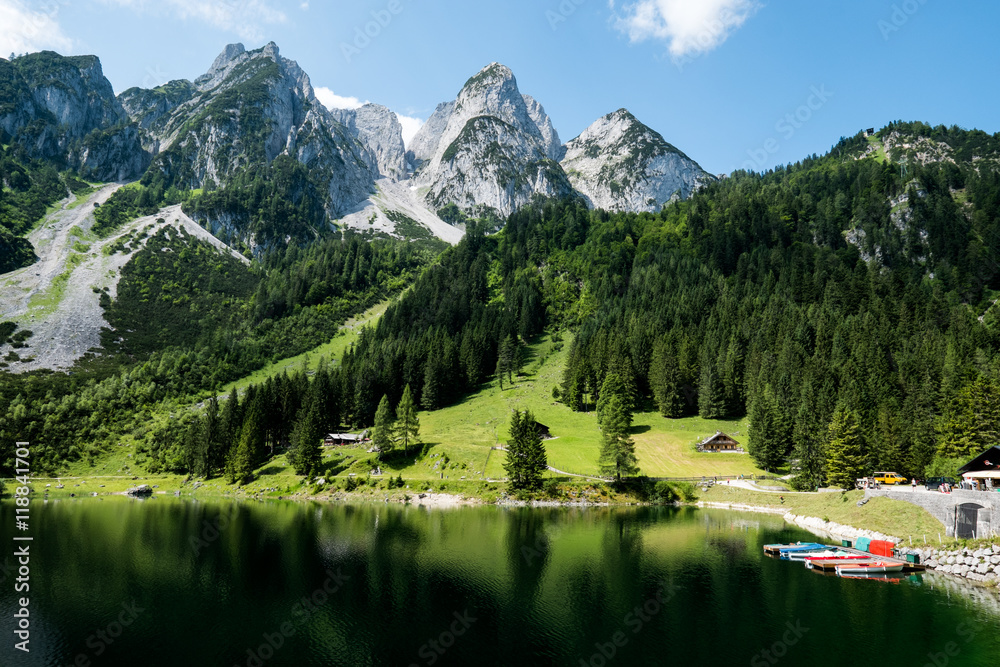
(988, 460)
(719, 436)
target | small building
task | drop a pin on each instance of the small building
(870, 132)
(345, 439)
(720, 442)
(983, 472)
(543, 431)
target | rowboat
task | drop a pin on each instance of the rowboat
(876, 567)
(846, 557)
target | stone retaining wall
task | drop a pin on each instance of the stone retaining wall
(947, 507)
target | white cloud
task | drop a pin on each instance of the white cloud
(689, 27)
(24, 30)
(332, 100)
(410, 127)
(246, 18)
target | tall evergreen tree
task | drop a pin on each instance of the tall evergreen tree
(307, 453)
(384, 430)
(526, 461)
(618, 449)
(845, 454)
(770, 436)
(407, 422)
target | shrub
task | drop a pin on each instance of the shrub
(351, 484)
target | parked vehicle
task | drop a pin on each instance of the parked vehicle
(890, 478)
(934, 483)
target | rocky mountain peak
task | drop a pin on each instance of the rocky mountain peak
(620, 164)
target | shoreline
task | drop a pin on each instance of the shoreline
(976, 567)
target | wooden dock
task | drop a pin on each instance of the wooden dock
(830, 566)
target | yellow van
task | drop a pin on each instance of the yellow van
(889, 478)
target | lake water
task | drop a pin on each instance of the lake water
(179, 583)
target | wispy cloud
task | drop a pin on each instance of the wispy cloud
(688, 27)
(246, 18)
(25, 30)
(332, 100)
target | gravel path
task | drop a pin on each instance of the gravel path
(60, 303)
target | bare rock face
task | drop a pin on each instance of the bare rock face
(63, 108)
(424, 144)
(248, 109)
(553, 147)
(485, 152)
(619, 164)
(379, 130)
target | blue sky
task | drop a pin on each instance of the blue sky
(733, 83)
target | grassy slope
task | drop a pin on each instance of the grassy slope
(664, 447)
(892, 517)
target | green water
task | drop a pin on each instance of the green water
(169, 582)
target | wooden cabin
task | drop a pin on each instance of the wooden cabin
(720, 442)
(344, 439)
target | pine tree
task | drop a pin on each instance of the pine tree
(526, 460)
(407, 422)
(614, 386)
(769, 432)
(711, 393)
(808, 455)
(430, 399)
(618, 449)
(385, 427)
(307, 453)
(845, 453)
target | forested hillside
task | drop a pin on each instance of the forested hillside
(833, 291)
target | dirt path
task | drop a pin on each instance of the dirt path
(58, 297)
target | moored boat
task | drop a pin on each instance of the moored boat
(875, 567)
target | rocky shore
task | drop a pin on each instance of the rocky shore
(981, 565)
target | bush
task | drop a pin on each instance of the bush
(663, 493)
(943, 467)
(351, 484)
(552, 488)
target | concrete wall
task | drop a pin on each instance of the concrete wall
(944, 506)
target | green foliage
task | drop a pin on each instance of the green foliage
(770, 432)
(846, 460)
(971, 423)
(945, 467)
(384, 430)
(407, 422)
(526, 461)
(618, 449)
(306, 453)
(178, 291)
(126, 204)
